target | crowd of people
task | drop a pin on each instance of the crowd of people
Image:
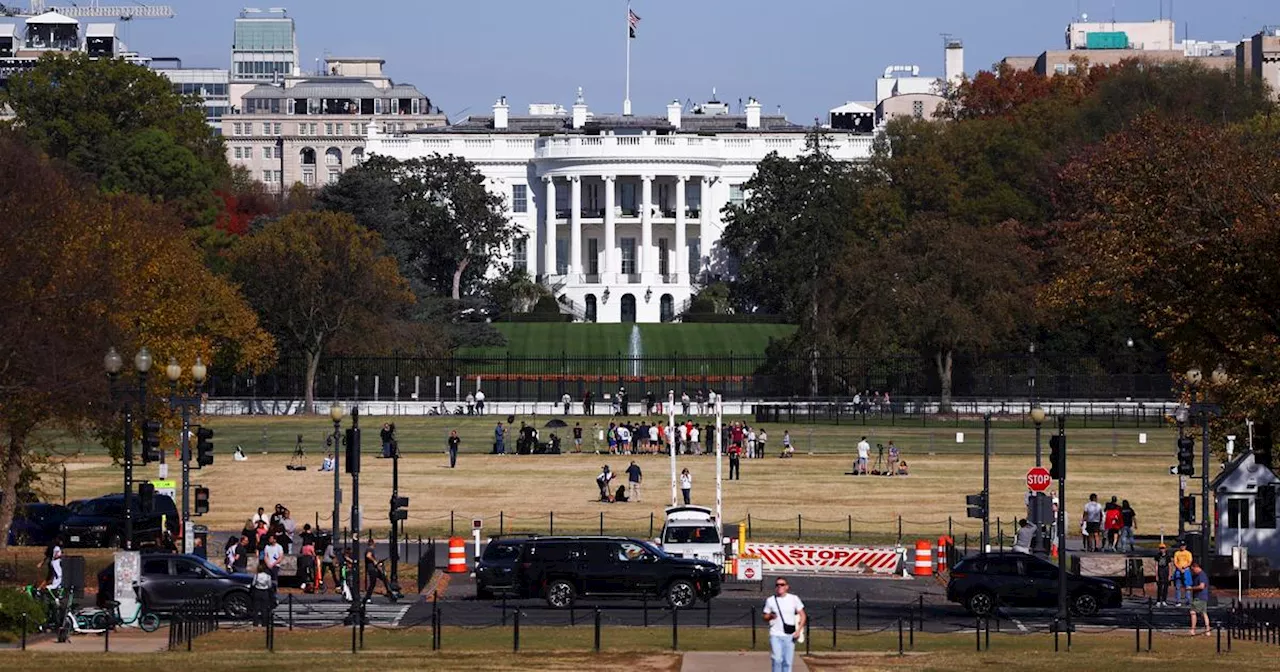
(1108, 528)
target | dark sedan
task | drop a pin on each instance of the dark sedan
(36, 524)
(986, 582)
(168, 580)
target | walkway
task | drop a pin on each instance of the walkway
(745, 661)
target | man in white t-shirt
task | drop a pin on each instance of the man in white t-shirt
(479, 402)
(785, 615)
(271, 554)
(864, 455)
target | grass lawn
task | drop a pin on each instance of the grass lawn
(648, 650)
(657, 340)
(525, 490)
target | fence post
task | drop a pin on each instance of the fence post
(748, 525)
(922, 613)
(807, 639)
(675, 629)
(751, 616)
(646, 610)
(851, 528)
(708, 613)
(290, 612)
(799, 526)
(451, 532)
(650, 524)
(602, 523)
(899, 528)
(987, 628)
(24, 631)
(911, 631)
(597, 629)
(502, 522)
(857, 611)
(515, 644)
(900, 636)
(949, 533)
(1137, 639)
(551, 522)
(835, 625)
(106, 639)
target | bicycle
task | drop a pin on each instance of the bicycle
(111, 618)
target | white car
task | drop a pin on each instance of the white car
(692, 532)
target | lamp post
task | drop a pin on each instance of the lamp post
(1181, 415)
(1037, 416)
(125, 399)
(1205, 410)
(185, 404)
(335, 414)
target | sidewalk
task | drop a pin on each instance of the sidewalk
(127, 640)
(744, 661)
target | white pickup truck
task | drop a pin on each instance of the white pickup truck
(692, 532)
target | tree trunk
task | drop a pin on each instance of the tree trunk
(313, 363)
(13, 464)
(942, 359)
(457, 277)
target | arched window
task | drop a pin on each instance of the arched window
(628, 308)
(591, 307)
(333, 157)
(667, 308)
(308, 156)
(357, 155)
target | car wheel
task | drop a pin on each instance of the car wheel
(1084, 604)
(560, 594)
(236, 605)
(681, 595)
(981, 603)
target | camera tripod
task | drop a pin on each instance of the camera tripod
(299, 459)
(879, 466)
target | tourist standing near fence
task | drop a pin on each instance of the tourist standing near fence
(785, 615)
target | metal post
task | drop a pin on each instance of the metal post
(186, 469)
(597, 629)
(1062, 527)
(337, 486)
(1182, 489)
(128, 477)
(1038, 458)
(986, 482)
(835, 626)
(357, 603)
(515, 633)
(395, 492)
(675, 629)
(1204, 483)
(751, 616)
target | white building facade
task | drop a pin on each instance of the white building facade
(621, 214)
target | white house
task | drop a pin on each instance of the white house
(622, 213)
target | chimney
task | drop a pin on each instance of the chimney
(579, 111)
(673, 113)
(500, 113)
(954, 63)
(753, 113)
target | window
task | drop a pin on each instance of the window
(593, 256)
(562, 199)
(156, 567)
(377, 106)
(1238, 513)
(691, 535)
(736, 195)
(562, 256)
(520, 254)
(266, 128)
(664, 259)
(189, 570)
(236, 128)
(333, 175)
(917, 109)
(277, 128)
(308, 177)
(337, 129)
(629, 551)
(328, 129)
(629, 256)
(267, 176)
(695, 256)
(520, 198)
(239, 153)
(629, 199)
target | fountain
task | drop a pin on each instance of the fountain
(635, 350)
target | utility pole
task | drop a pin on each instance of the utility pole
(353, 465)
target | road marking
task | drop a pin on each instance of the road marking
(1021, 627)
(395, 622)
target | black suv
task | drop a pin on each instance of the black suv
(984, 582)
(100, 522)
(561, 569)
(496, 570)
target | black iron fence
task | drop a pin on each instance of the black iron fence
(196, 616)
(737, 377)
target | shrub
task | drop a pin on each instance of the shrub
(14, 602)
(545, 310)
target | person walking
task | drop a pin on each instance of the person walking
(686, 484)
(373, 574)
(454, 442)
(1128, 520)
(634, 476)
(1162, 576)
(1199, 589)
(735, 463)
(785, 615)
(1181, 573)
(261, 593)
(1092, 519)
(577, 437)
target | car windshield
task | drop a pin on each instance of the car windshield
(496, 552)
(212, 568)
(702, 534)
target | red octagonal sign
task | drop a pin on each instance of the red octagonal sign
(1038, 479)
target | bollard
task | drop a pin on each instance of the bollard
(290, 612)
(911, 632)
(708, 613)
(977, 633)
(922, 613)
(1137, 639)
(835, 626)
(857, 611)
(751, 616)
(675, 629)
(24, 631)
(597, 629)
(515, 633)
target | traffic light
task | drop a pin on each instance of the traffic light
(353, 450)
(1265, 505)
(146, 497)
(202, 500)
(1187, 509)
(1186, 456)
(204, 447)
(151, 441)
(1262, 443)
(399, 508)
(977, 505)
(1057, 457)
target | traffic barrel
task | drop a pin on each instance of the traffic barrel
(457, 555)
(944, 548)
(924, 558)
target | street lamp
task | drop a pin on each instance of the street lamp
(1037, 416)
(186, 404)
(335, 413)
(125, 400)
(1204, 409)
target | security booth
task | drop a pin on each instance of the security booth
(1245, 495)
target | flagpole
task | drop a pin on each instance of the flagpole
(626, 101)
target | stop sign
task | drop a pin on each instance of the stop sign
(1038, 479)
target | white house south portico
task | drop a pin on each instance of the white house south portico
(622, 214)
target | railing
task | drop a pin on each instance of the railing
(196, 616)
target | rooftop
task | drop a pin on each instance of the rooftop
(689, 123)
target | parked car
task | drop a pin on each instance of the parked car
(983, 583)
(100, 522)
(496, 569)
(36, 524)
(562, 569)
(170, 579)
(692, 532)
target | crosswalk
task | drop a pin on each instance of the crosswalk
(332, 612)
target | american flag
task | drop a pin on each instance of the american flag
(633, 20)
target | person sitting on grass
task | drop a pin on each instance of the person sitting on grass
(621, 494)
(902, 468)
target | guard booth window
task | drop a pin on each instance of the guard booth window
(1238, 513)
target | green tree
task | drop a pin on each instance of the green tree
(315, 277)
(123, 125)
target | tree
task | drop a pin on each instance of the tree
(439, 218)
(315, 277)
(1191, 246)
(122, 124)
(84, 271)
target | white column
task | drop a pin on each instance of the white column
(704, 218)
(549, 260)
(681, 266)
(646, 227)
(575, 228)
(610, 232)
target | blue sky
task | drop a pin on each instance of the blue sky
(805, 55)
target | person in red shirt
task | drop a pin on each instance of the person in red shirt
(1113, 521)
(735, 462)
